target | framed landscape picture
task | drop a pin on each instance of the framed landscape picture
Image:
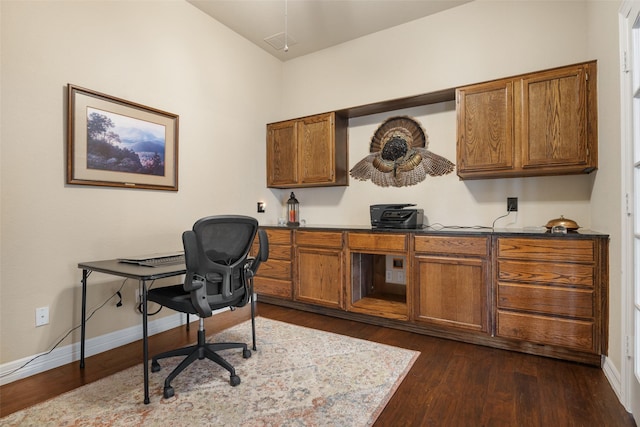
(118, 143)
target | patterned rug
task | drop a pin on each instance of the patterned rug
(298, 377)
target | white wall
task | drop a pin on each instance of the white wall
(606, 198)
(164, 54)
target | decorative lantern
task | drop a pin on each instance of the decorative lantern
(293, 210)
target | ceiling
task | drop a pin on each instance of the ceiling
(313, 25)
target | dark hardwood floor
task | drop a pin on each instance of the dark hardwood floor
(450, 384)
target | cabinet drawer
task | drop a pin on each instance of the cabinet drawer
(275, 269)
(574, 334)
(452, 245)
(567, 250)
(378, 241)
(279, 237)
(273, 287)
(546, 300)
(540, 272)
(319, 239)
(281, 252)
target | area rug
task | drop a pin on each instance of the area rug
(297, 377)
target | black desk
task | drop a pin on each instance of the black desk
(131, 271)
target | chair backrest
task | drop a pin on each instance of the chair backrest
(217, 260)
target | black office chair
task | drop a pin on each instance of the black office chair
(219, 274)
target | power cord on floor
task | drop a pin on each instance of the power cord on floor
(117, 293)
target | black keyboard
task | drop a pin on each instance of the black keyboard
(155, 261)
(158, 262)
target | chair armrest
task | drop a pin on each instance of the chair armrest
(193, 283)
(263, 252)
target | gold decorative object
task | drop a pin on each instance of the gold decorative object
(399, 156)
(567, 223)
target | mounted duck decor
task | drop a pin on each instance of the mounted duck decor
(399, 155)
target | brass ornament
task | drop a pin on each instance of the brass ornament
(399, 155)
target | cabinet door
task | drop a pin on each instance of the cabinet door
(319, 276)
(282, 154)
(317, 155)
(485, 128)
(451, 291)
(553, 119)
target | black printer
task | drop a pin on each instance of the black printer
(396, 216)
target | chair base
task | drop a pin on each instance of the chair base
(199, 351)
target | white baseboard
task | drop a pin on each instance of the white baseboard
(70, 353)
(613, 376)
(13, 371)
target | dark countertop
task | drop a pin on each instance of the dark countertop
(457, 231)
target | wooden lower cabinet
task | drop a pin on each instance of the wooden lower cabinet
(451, 291)
(274, 276)
(319, 274)
(452, 281)
(550, 291)
(535, 293)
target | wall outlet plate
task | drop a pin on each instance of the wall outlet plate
(42, 316)
(512, 204)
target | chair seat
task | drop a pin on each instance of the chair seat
(173, 297)
(176, 298)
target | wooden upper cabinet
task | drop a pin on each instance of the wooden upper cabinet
(485, 128)
(307, 152)
(536, 124)
(555, 117)
(282, 153)
(317, 149)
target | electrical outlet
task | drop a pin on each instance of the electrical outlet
(389, 277)
(42, 316)
(512, 204)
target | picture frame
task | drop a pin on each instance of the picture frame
(112, 142)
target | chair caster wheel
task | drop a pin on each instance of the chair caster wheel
(168, 392)
(246, 353)
(234, 380)
(155, 366)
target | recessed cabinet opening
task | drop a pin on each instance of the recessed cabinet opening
(379, 283)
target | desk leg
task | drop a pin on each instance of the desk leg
(253, 317)
(83, 322)
(145, 342)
